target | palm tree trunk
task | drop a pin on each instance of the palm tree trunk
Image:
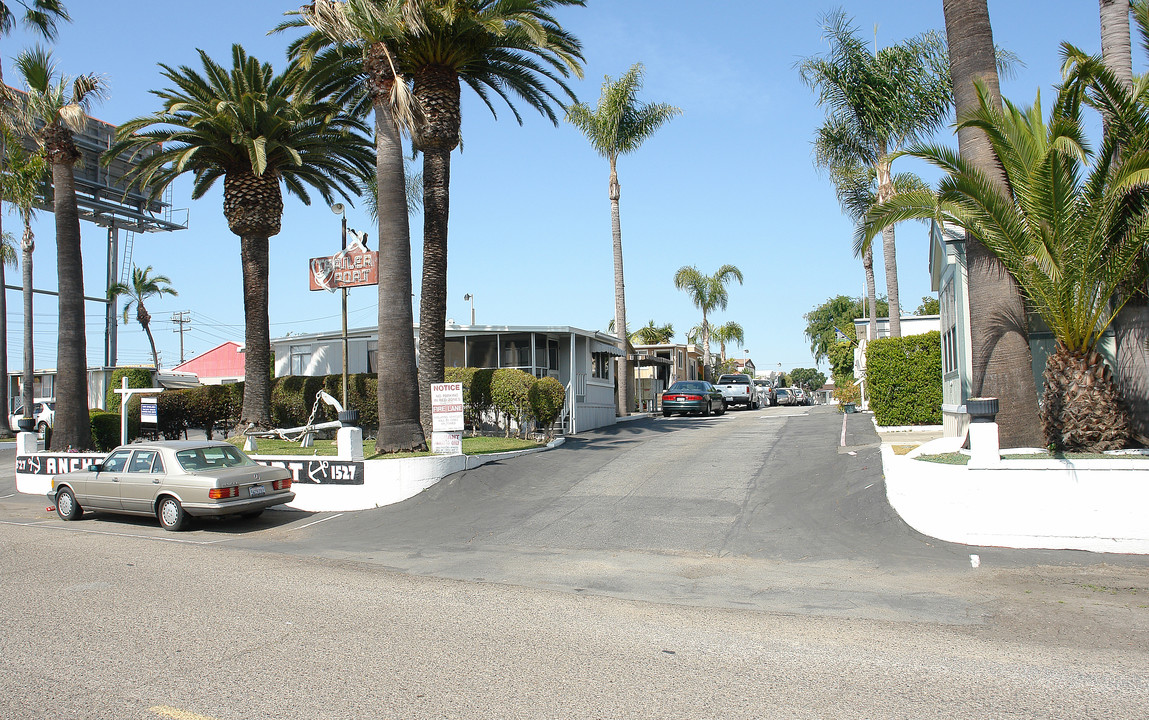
(619, 294)
(871, 293)
(5, 431)
(1002, 361)
(706, 374)
(156, 356)
(27, 246)
(1116, 47)
(889, 250)
(433, 298)
(257, 354)
(72, 426)
(398, 397)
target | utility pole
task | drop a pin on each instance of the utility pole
(180, 319)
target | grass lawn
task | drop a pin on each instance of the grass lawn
(963, 459)
(471, 446)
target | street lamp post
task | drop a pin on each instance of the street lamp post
(338, 209)
(471, 297)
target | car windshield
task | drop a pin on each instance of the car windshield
(688, 387)
(212, 457)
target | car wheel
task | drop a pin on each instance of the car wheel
(665, 413)
(171, 514)
(66, 506)
(706, 412)
(722, 408)
(42, 430)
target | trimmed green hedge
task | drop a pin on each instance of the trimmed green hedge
(105, 429)
(137, 378)
(904, 379)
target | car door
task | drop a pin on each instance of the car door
(138, 485)
(103, 489)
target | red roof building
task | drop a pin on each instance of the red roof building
(222, 365)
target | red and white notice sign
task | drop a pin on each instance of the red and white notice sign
(447, 407)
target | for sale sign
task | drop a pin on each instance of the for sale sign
(447, 407)
(149, 410)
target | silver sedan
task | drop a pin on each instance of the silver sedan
(172, 481)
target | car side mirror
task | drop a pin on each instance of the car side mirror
(95, 467)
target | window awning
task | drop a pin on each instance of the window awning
(597, 346)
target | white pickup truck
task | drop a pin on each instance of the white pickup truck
(738, 390)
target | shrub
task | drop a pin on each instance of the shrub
(171, 405)
(904, 376)
(510, 392)
(105, 429)
(546, 397)
(137, 378)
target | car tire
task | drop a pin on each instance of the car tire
(706, 412)
(665, 413)
(171, 514)
(722, 409)
(66, 506)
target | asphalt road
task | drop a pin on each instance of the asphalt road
(740, 566)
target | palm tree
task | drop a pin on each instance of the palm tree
(876, 103)
(40, 17)
(1069, 239)
(708, 293)
(256, 130)
(144, 285)
(728, 332)
(22, 177)
(353, 47)
(1002, 362)
(651, 334)
(60, 106)
(505, 48)
(619, 126)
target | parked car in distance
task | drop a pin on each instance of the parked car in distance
(800, 396)
(692, 396)
(737, 389)
(173, 480)
(43, 413)
(785, 396)
(766, 396)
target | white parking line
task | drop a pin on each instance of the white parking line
(316, 522)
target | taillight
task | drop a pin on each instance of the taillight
(222, 493)
(282, 484)
(693, 397)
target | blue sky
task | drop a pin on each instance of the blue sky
(729, 181)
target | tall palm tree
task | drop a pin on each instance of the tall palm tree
(1002, 361)
(876, 103)
(144, 285)
(258, 131)
(618, 126)
(40, 16)
(352, 46)
(707, 293)
(506, 48)
(22, 178)
(59, 105)
(1070, 231)
(728, 332)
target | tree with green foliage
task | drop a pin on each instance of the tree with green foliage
(57, 106)
(619, 126)
(836, 314)
(547, 396)
(651, 334)
(728, 332)
(876, 103)
(930, 306)
(144, 285)
(260, 132)
(707, 293)
(1071, 230)
(809, 378)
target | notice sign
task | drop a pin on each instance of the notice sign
(354, 267)
(149, 410)
(447, 407)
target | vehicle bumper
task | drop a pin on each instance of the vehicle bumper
(235, 507)
(693, 406)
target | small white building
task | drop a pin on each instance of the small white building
(580, 359)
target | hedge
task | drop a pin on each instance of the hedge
(904, 379)
(137, 378)
(105, 429)
(546, 397)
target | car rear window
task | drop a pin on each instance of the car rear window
(212, 457)
(733, 380)
(687, 387)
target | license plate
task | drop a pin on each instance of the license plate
(679, 399)
(257, 490)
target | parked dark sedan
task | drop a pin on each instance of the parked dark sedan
(692, 396)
